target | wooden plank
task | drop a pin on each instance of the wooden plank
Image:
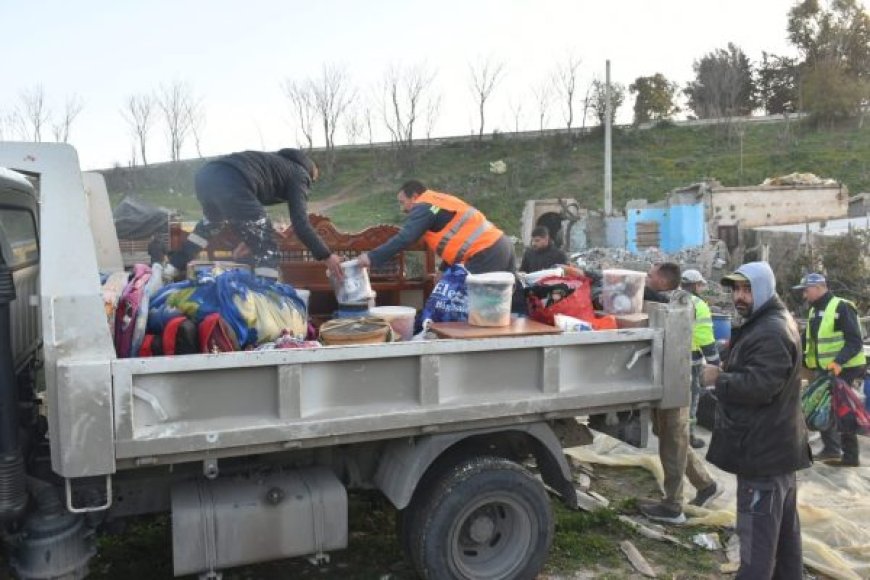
(518, 327)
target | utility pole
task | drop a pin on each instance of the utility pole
(608, 177)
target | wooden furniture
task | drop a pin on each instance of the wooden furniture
(408, 278)
(518, 327)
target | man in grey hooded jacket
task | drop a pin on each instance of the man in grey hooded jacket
(759, 432)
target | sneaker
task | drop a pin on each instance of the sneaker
(827, 454)
(660, 512)
(706, 495)
(696, 442)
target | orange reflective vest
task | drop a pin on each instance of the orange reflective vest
(465, 235)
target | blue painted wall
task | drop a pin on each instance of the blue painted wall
(680, 226)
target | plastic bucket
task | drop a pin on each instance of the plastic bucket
(622, 291)
(489, 298)
(401, 319)
(355, 287)
(722, 326)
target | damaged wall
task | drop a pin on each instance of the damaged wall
(666, 225)
(764, 205)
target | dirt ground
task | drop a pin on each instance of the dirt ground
(586, 544)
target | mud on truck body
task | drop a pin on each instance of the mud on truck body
(253, 452)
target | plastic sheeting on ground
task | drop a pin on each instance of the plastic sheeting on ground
(834, 502)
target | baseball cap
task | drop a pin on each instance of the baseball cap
(693, 277)
(730, 279)
(812, 279)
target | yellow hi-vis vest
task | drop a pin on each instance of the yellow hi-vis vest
(702, 331)
(822, 350)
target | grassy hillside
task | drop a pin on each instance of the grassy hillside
(646, 164)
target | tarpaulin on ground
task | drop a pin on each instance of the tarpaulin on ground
(834, 503)
(136, 219)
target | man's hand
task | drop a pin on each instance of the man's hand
(333, 264)
(709, 375)
(364, 260)
(835, 369)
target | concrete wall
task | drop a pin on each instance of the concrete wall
(753, 206)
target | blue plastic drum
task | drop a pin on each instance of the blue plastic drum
(722, 326)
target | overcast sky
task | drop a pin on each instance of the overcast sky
(236, 55)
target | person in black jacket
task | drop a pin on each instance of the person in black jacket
(759, 432)
(235, 188)
(542, 254)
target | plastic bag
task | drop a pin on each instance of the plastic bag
(560, 295)
(448, 301)
(816, 405)
(851, 415)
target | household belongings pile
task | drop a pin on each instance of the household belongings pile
(218, 310)
(829, 402)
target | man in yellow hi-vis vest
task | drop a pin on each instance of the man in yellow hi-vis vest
(703, 345)
(833, 343)
(456, 231)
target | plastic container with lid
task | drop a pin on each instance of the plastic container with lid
(401, 319)
(489, 298)
(622, 291)
(355, 287)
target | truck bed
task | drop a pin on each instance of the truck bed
(177, 409)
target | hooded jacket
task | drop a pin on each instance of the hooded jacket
(759, 428)
(283, 176)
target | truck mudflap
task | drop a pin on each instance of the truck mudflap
(405, 461)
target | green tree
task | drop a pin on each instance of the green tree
(834, 43)
(777, 84)
(654, 98)
(599, 99)
(723, 85)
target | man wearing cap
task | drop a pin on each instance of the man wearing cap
(759, 432)
(703, 345)
(234, 190)
(833, 343)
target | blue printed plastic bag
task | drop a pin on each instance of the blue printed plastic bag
(448, 301)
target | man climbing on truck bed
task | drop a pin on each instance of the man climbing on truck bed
(234, 190)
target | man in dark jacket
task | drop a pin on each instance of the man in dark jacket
(235, 188)
(759, 433)
(542, 254)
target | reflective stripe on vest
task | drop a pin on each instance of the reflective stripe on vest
(824, 348)
(465, 235)
(702, 330)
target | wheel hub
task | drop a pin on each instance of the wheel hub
(481, 529)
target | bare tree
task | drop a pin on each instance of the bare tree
(543, 94)
(196, 117)
(485, 75)
(406, 97)
(433, 111)
(174, 101)
(353, 126)
(332, 95)
(515, 103)
(71, 110)
(367, 116)
(301, 95)
(32, 114)
(139, 114)
(565, 83)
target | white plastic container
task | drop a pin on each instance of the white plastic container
(401, 319)
(489, 298)
(622, 291)
(355, 287)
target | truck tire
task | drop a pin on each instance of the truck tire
(486, 518)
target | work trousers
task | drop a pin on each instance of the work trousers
(769, 528)
(837, 441)
(696, 394)
(671, 426)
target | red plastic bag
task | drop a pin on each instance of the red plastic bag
(852, 416)
(216, 335)
(577, 302)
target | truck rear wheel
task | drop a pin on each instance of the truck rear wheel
(485, 518)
